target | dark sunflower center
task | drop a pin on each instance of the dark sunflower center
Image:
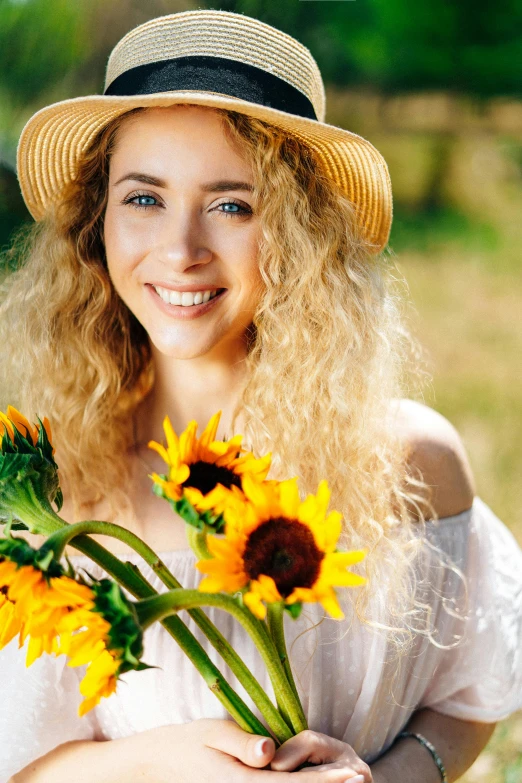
(286, 551)
(204, 476)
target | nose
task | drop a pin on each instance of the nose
(183, 242)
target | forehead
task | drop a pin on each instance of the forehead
(177, 134)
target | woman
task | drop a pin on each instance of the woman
(206, 167)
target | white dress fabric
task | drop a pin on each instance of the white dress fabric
(351, 686)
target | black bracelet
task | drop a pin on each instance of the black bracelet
(427, 744)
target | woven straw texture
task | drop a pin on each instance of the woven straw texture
(53, 140)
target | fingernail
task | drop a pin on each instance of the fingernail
(261, 748)
(356, 779)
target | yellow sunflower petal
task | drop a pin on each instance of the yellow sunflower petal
(209, 433)
(172, 438)
(344, 559)
(21, 424)
(222, 548)
(261, 496)
(253, 601)
(257, 467)
(304, 594)
(329, 602)
(7, 572)
(160, 449)
(195, 497)
(87, 705)
(67, 592)
(289, 498)
(186, 442)
(99, 678)
(34, 650)
(332, 530)
(265, 586)
(10, 623)
(327, 531)
(228, 583)
(87, 650)
(347, 579)
(5, 424)
(323, 496)
(216, 500)
(219, 453)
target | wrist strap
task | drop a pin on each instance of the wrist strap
(427, 744)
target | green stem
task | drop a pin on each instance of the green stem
(41, 518)
(276, 627)
(58, 541)
(176, 600)
(37, 514)
(140, 588)
(198, 542)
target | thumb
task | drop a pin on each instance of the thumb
(252, 749)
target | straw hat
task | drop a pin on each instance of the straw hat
(208, 58)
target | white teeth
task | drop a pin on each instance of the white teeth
(184, 298)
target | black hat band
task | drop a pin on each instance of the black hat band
(214, 74)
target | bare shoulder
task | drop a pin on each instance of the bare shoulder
(435, 450)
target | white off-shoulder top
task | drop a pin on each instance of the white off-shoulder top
(351, 684)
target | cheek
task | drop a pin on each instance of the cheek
(123, 248)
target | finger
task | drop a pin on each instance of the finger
(252, 749)
(307, 746)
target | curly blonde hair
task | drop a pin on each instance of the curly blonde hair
(328, 350)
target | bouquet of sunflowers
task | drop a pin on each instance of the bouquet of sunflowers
(262, 550)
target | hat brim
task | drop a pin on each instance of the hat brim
(54, 139)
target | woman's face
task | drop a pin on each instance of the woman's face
(181, 217)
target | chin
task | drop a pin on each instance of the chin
(175, 350)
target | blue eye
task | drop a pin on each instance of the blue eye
(141, 201)
(237, 209)
(144, 201)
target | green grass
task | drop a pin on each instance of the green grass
(465, 283)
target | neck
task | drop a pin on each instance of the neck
(190, 389)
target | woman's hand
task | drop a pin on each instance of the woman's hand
(326, 753)
(219, 750)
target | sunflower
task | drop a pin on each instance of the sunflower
(28, 471)
(91, 624)
(281, 548)
(106, 636)
(83, 638)
(35, 599)
(205, 470)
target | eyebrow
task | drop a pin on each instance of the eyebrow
(219, 186)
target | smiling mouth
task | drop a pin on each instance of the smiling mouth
(186, 299)
(189, 306)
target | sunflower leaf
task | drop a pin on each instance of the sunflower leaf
(294, 610)
(187, 512)
(44, 562)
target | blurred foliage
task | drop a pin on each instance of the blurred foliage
(39, 42)
(469, 46)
